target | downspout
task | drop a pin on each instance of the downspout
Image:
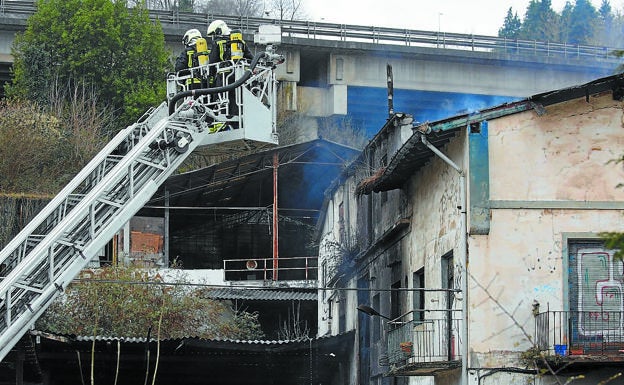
(463, 254)
(275, 218)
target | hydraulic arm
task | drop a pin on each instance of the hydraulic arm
(39, 263)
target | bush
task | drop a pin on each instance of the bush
(124, 301)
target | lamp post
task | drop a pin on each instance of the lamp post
(439, 27)
(371, 312)
(439, 23)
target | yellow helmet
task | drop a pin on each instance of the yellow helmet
(218, 27)
(191, 36)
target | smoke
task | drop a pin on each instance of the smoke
(369, 107)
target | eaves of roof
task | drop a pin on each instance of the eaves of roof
(196, 342)
(413, 154)
(214, 186)
(262, 295)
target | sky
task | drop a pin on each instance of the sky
(478, 17)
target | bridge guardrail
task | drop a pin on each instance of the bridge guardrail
(366, 34)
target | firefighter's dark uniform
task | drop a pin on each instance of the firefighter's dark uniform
(220, 51)
(186, 60)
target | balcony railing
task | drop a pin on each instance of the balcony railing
(421, 345)
(580, 333)
(268, 269)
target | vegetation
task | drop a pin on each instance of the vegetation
(615, 240)
(126, 301)
(577, 23)
(41, 149)
(101, 45)
(277, 9)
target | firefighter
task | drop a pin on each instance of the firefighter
(191, 56)
(226, 45)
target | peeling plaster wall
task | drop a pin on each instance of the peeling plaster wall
(549, 176)
(574, 143)
(433, 195)
(328, 321)
(336, 239)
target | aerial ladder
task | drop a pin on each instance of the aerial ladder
(42, 260)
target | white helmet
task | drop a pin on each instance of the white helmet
(191, 36)
(218, 27)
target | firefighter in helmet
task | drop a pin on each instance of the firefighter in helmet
(226, 45)
(190, 57)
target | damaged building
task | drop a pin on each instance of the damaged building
(468, 250)
(245, 228)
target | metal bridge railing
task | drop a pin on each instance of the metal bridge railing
(365, 34)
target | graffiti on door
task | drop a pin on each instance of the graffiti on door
(600, 285)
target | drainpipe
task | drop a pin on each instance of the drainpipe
(462, 251)
(275, 218)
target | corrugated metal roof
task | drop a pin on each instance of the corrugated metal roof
(263, 295)
(194, 361)
(216, 185)
(68, 338)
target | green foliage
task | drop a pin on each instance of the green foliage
(123, 301)
(511, 25)
(31, 147)
(540, 22)
(234, 8)
(614, 241)
(531, 356)
(582, 22)
(565, 19)
(100, 43)
(578, 23)
(41, 149)
(17, 211)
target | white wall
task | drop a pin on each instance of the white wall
(549, 176)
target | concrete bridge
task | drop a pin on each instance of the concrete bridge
(338, 70)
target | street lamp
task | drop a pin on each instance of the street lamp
(439, 23)
(439, 28)
(371, 312)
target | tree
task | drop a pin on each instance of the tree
(582, 22)
(29, 148)
(254, 8)
(540, 22)
(511, 25)
(126, 301)
(166, 5)
(116, 51)
(605, 12)
(608, 29)
(564, 21)
(615, 240)
(286, 9)
(41, 149)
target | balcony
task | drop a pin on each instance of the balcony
(425, 344)
(581, 336)
(266, 269)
